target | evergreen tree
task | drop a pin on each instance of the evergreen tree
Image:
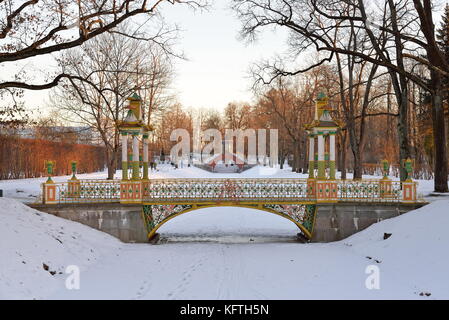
(442, 36)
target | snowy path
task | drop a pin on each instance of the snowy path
(241, 271)
(228, 271)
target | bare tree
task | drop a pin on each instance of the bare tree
(174, 117)
(39, 27)
(108, 73)
(398, 32)
(439, 67)
(290, 106)
(156, 78)
(237, 116)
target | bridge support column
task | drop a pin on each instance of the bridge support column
(131, 191)
(135, 164)
(311, 156)
(332, 165)
(124, 155)
(145, 178)
(321, 157)
(145, 156)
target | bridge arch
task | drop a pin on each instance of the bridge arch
(301, 214)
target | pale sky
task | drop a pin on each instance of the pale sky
(216, 71)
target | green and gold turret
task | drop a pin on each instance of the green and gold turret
(324, 128)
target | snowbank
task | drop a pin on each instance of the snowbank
(30, 239)
(416, 253)
(413, 262)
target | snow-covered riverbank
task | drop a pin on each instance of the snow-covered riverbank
(221, 253)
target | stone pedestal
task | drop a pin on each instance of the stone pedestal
(74, 188)
(49, 193)
(409, 192)
(386, 188)
(131, 192)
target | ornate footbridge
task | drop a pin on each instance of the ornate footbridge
(295, 199)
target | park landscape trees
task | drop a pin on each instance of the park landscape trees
(393, 36)
(380, 62)
(83, 32)
(117, 66)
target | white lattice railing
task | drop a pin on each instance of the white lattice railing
(222, 190)
(88, 191)
(368, 191)
(228, 190)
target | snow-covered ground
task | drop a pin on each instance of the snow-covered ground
(220, 253)
(31, 240)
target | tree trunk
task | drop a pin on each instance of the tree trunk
(302, 152)
(298, 159)
(111, 160)
(356, 150)
(400, 85)
(403, 136)
(282, 156)
(439, 136)
(358, 166)
(111, 172)
(295, 156)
